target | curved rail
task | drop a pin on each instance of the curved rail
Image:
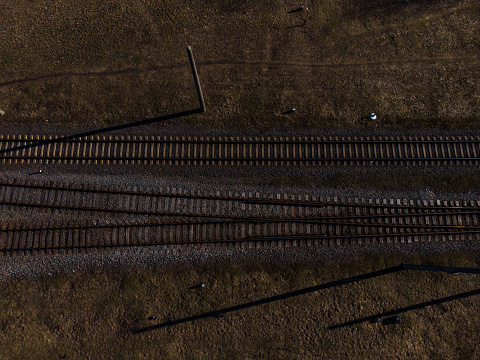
(113, 217)
(236, 234)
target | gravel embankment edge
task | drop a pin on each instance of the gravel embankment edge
(165, 258)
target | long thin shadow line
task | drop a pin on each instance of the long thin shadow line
(231, 63)
(338, 65)
(407, 308)
(218, 313)
(447, 269)
(300, 25)
(91, 74)
(130, 125)
(103, 130)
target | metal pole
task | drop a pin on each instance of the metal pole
(195, 77)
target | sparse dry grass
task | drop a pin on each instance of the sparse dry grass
(91, 316)
(415, 63)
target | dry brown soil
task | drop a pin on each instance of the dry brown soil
(415, 63)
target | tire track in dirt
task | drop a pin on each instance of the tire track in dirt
(400, 62)
(91, 74)
(417, 21)
(442, 59)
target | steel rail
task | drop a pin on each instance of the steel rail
(240, 221)
(334, 237)
(166, 195)
(244, 240)
(240, 159)
(234, 199)
(236, 151)
(208, 140)
(173, 214)
(358, 205)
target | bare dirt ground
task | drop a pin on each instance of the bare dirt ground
(119, 309)
(69, 65)
(414, 63)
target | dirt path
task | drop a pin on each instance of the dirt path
(223, 62)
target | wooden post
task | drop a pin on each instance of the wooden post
(195, 78)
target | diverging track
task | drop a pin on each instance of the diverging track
(241, 151)
(114, 217)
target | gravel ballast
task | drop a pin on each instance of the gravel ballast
(165, 258)
(211, 180)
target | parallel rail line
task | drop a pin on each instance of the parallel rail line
(49, 239)
(111, 217)
(311, 151)
(197, 215)
(187, 204)
(244, 198)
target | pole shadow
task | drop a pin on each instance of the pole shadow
(301, 8)
(79, 136)
(289, 111)
(299, 25)
(198, 286)
(367, 119)
(130, 125)
(405, 309)
(221, 312)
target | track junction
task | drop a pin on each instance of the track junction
(57, 217)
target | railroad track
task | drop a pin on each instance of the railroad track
(312, 151)
(56, 217)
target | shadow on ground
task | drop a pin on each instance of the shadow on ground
(219, 313)
(110, 129)
(405, 309)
